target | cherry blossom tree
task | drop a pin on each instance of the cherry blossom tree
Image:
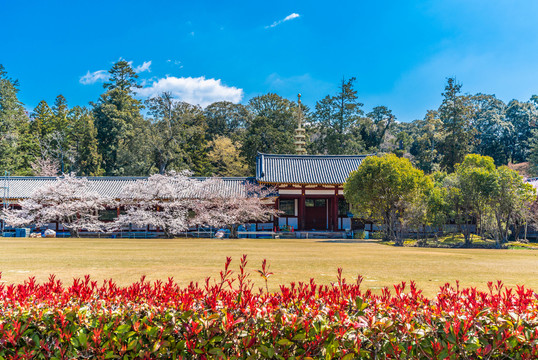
(160, 200)
(218, 207)
(174, 202)
(69, 201)
(45, 167)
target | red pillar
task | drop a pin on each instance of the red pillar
(275, 219)
(302, 209)
(335, 209)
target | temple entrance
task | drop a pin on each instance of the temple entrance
(316, 214)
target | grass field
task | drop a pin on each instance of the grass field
(126, 260)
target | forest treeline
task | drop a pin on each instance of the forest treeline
(118, 134)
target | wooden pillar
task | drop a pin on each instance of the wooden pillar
(275, 218)
(302, 209)
(335, 209)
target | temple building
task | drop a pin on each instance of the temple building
(310, 189)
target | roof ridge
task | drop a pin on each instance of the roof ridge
(315, 156)
(15, 177)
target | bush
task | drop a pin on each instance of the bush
(226, 318)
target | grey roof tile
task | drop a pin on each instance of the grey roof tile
(306, 169)
(21, 187)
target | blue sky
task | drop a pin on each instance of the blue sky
(401, 52)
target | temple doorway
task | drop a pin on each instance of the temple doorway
(316, 214)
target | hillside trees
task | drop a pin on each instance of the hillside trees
(523, 117)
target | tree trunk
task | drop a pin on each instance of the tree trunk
(233, 231)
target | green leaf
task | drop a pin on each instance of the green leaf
(123, 328)
(349, 356)
(82, 339)
(284, 342)
(111, 355)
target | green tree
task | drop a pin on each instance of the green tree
(523, 117)
(455, 114)
(270, 129)
(177, 137)
(383, 189)
(41, 124)
(510, 199)
(494, 133)
(336, 121)
(87, 159)
(375, 126)
(425, 147)
(470, 188)
(438, 209)
(16, 147)
(225, 118)
(121, 129)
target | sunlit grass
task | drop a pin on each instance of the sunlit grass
(126, 260)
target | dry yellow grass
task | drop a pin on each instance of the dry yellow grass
(126, 260)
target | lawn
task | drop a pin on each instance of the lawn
(126, 260)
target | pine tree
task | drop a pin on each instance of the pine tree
(121, 129)
(41, 120)
(337, 122)
(87, 160)
(455, 114)
(16, 147)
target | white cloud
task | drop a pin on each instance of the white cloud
(287, 18)
(93, 77)
(198, 90)
(144, 67)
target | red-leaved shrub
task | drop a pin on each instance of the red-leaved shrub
(226, 318)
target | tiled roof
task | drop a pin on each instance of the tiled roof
(306, 169)
(21, 187)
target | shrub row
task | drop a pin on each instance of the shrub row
(227, 318)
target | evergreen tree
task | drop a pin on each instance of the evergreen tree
(121, 129)
(455, 114)
(41, 120)
(522, 116)
(375, 126)
(16, 146)
(426, 143)
(494, 133)
(87, 160)
(177, 138)
(336, 122)
(225, 118)
(271, 127)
